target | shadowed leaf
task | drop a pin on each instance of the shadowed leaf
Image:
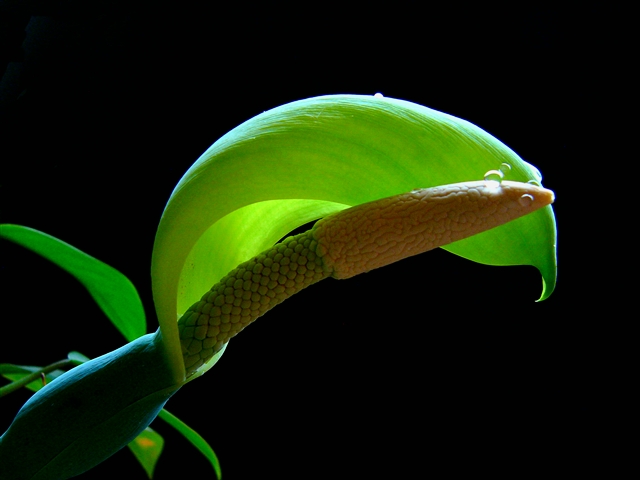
(147, 448)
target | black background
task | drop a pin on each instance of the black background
(434, 364)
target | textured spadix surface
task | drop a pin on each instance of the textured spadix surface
(306, 159)
(378, 233)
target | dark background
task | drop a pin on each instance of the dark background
(104, 107)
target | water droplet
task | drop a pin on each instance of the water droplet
(536, 172)
(505, 168)
(493, 176)
(526, 200)
(378, 95)
(534, 182)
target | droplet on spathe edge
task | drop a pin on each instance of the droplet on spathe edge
(378, 95)
(534, 182)
(494, 176)
(505, 168)
(526, 200)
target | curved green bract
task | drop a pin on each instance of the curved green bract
(303, 160)
(112, 291)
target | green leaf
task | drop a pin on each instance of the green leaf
(10, 368)
(147, 448)
(303, 160)
(112, 291)
(194, 438)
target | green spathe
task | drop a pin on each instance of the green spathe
(303, 160)
(87, 414)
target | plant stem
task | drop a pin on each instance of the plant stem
(27, 379)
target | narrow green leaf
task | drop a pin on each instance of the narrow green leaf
(194, 438)
(11, 368)
(147, 448)
(112, 291)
